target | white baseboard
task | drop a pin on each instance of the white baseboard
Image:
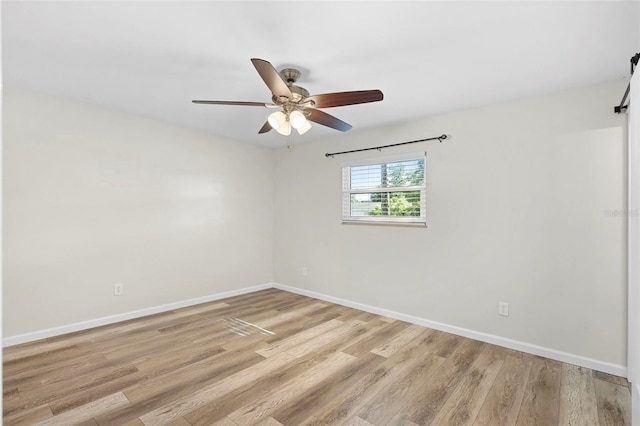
(84, 325)
(606, 367)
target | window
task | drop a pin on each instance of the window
(385, 191)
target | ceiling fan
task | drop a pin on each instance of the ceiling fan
(295, 107)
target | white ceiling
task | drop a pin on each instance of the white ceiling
(152, 58)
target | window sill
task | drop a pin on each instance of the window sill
(385, 223)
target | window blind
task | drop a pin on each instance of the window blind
(390, 190)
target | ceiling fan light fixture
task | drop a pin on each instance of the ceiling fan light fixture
(297, 119)
(284, 129)
(304, 129)
(277, 120)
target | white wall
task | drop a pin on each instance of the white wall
(525, 205)
(94, 197)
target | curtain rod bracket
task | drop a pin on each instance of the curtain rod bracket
(618, 109)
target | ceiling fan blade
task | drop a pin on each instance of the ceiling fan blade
(265, 128)
(262, 104)
(329, 100)
(272, 79)
(325, 119)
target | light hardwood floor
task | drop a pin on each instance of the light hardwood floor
(273, 357)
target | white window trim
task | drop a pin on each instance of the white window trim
(420, 221)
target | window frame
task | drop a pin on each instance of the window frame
(347, 192)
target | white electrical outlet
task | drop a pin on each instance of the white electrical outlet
(503, 309)
(304, 271)
(118, 289)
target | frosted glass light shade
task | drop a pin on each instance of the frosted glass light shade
(297, 119)
(277, 119)
(284, 129)
(304, 129)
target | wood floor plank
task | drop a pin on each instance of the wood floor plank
(141, 349)
(297, 339)
(287, 329)
(291, 315)
(256, 296)
(134, 422)
(257, 410)
(96, 390)
(186, 404)
(204, 309)
(578, 404)
(87, 411)
(502, 404)
(198, 373)
(340, 410)
(327, 313)
(41, 360)
(98, 370)
(359, 316)
(293, 304)
(464, 403)
(277, 358)
(269, 421)
(388, 332)
(357, 421)
(219, 408)
(613, 403)
(179, 422)
(611, 378)
(385, 405)
(541, 402)
(352, 335)
(34, 377)
(423, 407)
(224, 422)
(83, 384)
(30, 416)
(42, 347)
(304, 405)
(440, 343)
(175, 358)
(154, 395)
(391, 346)
(119, 332)
(328, 337)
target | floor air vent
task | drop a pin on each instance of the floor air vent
(244, 328)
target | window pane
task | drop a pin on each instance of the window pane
(389, 204)
(405, 173)
(369, 176)
(385, 175)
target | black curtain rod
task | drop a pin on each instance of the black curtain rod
(439, 138)
(622, 107)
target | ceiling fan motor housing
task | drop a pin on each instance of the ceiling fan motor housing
(290, 76)
(299, 93)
